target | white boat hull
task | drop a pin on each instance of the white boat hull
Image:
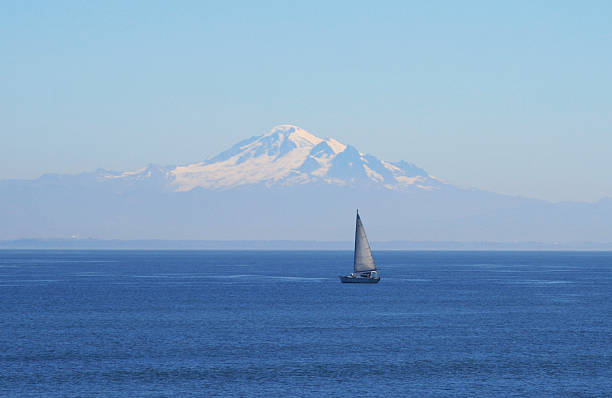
(354, 279)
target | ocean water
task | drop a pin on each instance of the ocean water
(263, 324)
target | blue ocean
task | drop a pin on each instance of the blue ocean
(280, 324)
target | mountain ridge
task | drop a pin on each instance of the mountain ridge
(286, 155)
(286, 184)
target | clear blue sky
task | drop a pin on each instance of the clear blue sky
(514, 97)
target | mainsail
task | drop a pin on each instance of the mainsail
(363, 255)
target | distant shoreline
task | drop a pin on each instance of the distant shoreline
(163, 244)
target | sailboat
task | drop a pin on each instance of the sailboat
(363, 263)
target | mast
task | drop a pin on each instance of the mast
(363, 260)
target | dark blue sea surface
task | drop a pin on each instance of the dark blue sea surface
(250, 324)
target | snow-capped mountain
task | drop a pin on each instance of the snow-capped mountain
(285, 184)
(287, 155)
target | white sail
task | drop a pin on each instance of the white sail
(363, 255)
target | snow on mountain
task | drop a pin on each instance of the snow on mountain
(289, 155)
(164, 202)
(151, 171)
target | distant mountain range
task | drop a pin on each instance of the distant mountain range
(286, 155)
(286, 184)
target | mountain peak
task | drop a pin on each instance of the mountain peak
(289, 155)
(297, 135)
(301, 137)
(284, 129)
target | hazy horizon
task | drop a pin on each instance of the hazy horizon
(81, 243)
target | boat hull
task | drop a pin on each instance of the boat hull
(352, 279)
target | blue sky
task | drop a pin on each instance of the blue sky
(512, 97)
